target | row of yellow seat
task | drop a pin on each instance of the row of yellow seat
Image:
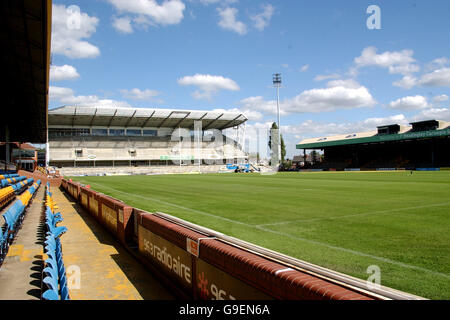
(6, 196)
(9, 181)
(7, 176)
(41, 169)
(14, 217)
(8, 193)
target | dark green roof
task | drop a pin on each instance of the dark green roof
(377, 138)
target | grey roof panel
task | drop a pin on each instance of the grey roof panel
(142, 117)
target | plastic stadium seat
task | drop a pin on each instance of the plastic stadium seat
(50, 272)
(51, 241)
(15, 215)
(58, 215)
(52, 255)
(51, 283)
(3, 244)
(62, 277)
(51, 263)
(53, 219)
(65, 293)
(55, 249)
(8, 219)
(50, 295)
(50, 247)
(56, 231)
(55, 271)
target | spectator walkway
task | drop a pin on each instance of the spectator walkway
(97, 266)
(21, 272)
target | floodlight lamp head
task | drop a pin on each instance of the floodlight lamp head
(277, 79)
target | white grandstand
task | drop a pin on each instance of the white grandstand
(89, 140)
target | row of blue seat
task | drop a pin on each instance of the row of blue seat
(13, 219)
(21, 186)
(8, 175)
(10, 181)
(54, 273)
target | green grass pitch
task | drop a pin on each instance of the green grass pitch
(345, 221)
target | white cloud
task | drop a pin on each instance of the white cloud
(329, 99)
(122, 25)
(58, 93)
(398, 62)
(340, 94)
(371, 123)
(259, 104)
(310, 128)
(208, 84)
(208, 2)
(436, 78)
(261, 20)
(137, 94)
(66, 96)
(326, 77)
(404, 69)
(438, 63)
(349, 83)
(407, 82)
(304, 68)
(440, 98)
(402, 62)
(410, 103)
(65, 72)
(314, 128)
(150, 12)
(69, 27)
(433, 113)
(438, 75)
(228, 20)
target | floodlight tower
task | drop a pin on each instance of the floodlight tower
(277, 84)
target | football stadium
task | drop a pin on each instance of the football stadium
(106, 140)
(168, 204)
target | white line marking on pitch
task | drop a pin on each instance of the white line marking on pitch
(175, 205)
(362, 254)
(354, 215)
(401, 264)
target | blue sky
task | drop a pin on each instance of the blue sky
(339, 76)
